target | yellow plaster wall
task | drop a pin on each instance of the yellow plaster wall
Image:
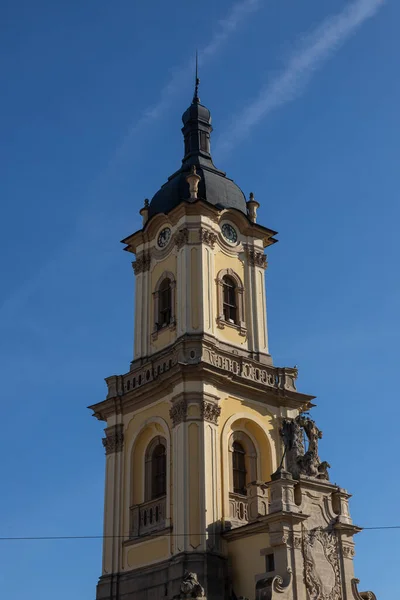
(246, 562)
(134, 455)
(223, 261)
(230, 407)
(165, 336)
(148, 552)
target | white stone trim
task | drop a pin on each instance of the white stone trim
(240, 303)
(129, 459)
(156, 299)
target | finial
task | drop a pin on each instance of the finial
(196, 98)
(145, 211)
(252, 206)
(193, 180)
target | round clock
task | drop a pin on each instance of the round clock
(163, 237)
(229, 233)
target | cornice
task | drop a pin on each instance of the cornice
(201, 208)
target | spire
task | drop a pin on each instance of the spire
(197, 128)
(196, 99)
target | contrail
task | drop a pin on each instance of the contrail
(315, 50)
(226, 28)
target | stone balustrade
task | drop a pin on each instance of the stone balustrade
(247, 508)
(147, 517)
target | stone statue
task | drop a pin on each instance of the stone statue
(301, 462)
(190, 586)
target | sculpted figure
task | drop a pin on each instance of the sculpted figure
(190, 586)
(298, 461)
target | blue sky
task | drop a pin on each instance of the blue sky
(304, 98)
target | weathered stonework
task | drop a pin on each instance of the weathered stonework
(348, 552)
(114, 440)
(178, 412)
(142, 263)
(207, 236)
(182, 238)
(210, 412)
(256, 258)
(299, 462)
(322, 570)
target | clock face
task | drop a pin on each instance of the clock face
(229, 233)
(163, 237)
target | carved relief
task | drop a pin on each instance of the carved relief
(321, 565)
(275, 377)
(348, 551)
(178, 412)
(297, 542)
(210, 412)
(207, 236)
(298, 461)
(182, 238)
(114, 440)
(142, 263)
(267, 588)
(256, 258)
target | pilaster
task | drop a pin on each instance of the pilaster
(113, 444)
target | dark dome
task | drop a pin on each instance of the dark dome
(214, 187)
(196, 112)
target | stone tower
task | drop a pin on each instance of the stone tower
(211, 489)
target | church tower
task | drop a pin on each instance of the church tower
(214, 486)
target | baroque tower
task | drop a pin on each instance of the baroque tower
(211, 489)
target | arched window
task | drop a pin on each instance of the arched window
(158, 472)
(239, 468)
(242, 462)
(229, 299)
(164, 303)
(156, 469)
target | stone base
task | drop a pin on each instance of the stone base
(162, 580)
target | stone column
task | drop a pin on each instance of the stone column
(255, 283)
(143, 302)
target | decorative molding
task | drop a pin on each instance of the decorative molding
(315, 571)
(178, 412)
(210, 412)
(207, 236)
(361, 595)
(297, 542)
(114, 440)
(142, 263)
(267, 588)
(240, 324)
(256, 258)
(282, 378)
(156, 295)
(182, 238)
(348, 551)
